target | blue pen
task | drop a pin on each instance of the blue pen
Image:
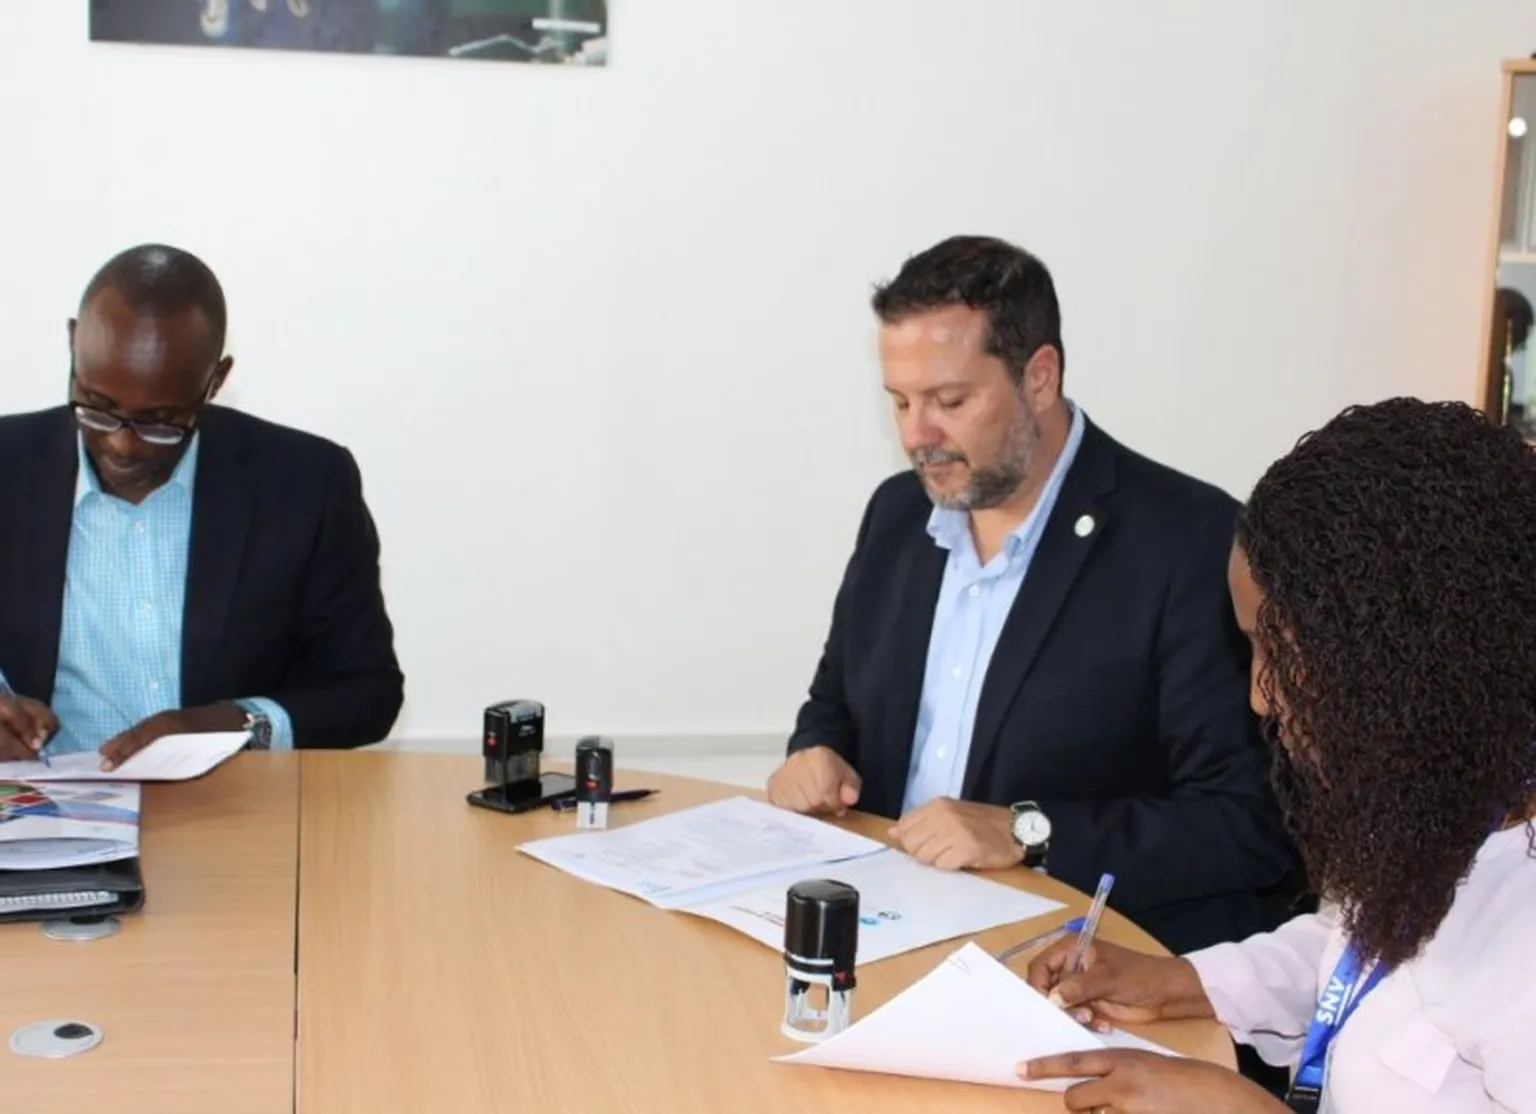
(1074, 925)
(1090, 925)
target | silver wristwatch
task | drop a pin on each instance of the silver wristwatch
(259, 728)
(1031, 830)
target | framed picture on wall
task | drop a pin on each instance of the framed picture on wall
(568, 32)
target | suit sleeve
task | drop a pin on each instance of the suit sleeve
(824, 718)
(345, 686)
(1216, 828)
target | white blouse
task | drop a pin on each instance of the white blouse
(1453, 1031)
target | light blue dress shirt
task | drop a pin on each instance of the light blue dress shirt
(125, 589)
(974, 600)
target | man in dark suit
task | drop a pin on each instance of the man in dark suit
(1033, 655)
(176, 567)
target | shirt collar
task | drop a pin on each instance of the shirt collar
(951, 528)
(87, 484)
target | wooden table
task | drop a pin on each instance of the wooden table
(440, 969)
(195, 995)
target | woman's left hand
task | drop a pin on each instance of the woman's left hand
(1125, 1081)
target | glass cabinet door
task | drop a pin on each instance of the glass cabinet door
(1510, 395)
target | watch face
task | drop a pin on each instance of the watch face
(260, 729)
(1031, 828)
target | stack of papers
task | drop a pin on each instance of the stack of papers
(43, 827)
(70, 812)
(733, 861)
(971, 1020)
(168, 758)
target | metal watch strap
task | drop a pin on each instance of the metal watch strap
(260, 729)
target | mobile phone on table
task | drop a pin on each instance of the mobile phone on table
(524, 796)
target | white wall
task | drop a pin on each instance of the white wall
(599, 337)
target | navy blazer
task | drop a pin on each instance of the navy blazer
(283, 596)
(1117, 695)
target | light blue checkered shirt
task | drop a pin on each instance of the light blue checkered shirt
(974, 601)
(124, 593)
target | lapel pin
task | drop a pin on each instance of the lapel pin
(1084, 526)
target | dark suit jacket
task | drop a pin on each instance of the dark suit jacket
(1117, 695)
(283, 596)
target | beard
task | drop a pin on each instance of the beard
(993, 484)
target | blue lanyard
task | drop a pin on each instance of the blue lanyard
(1335, 1006)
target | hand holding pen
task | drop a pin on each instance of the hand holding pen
(1103, 985)
(26, 725)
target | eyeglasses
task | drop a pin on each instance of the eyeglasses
(155, 433)
(152, 432)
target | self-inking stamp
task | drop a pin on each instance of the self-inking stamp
(514, 740)
(821, 940)
(594, 781)
(513, 747)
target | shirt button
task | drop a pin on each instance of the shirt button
(943, 752)
(958, 671)
(146, 607)
(975, 589)
(154, 686)
(138, 527)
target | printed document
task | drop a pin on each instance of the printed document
(61, 825)
(733, 862)
(169, 758)
(690, 855)
(903, 904)
(970, 1020)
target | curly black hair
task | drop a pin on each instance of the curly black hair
(1396, 552)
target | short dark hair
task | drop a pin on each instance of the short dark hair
(163, 281)
(1007, 283)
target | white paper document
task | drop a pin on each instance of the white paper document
(970, 1020)
(699, 853)
(168, 758)
(903, 904)
(733, 861)
(60, 824)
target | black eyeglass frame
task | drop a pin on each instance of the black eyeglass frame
(160, 433)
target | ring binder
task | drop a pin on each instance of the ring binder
(54, 903)
(76, 891)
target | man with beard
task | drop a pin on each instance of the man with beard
(1033, 656)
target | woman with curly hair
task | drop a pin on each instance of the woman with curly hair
(1385, 574)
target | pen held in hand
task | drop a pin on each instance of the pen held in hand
(1090, 925)
(11, 694)
(1047, 937)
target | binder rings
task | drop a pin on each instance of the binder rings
(74, 891)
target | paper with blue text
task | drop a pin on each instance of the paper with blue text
(733, 861)
(57, 825)
(903, 905)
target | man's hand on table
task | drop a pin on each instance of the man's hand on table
(182, 721)
(816, 781)
(959, 835)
